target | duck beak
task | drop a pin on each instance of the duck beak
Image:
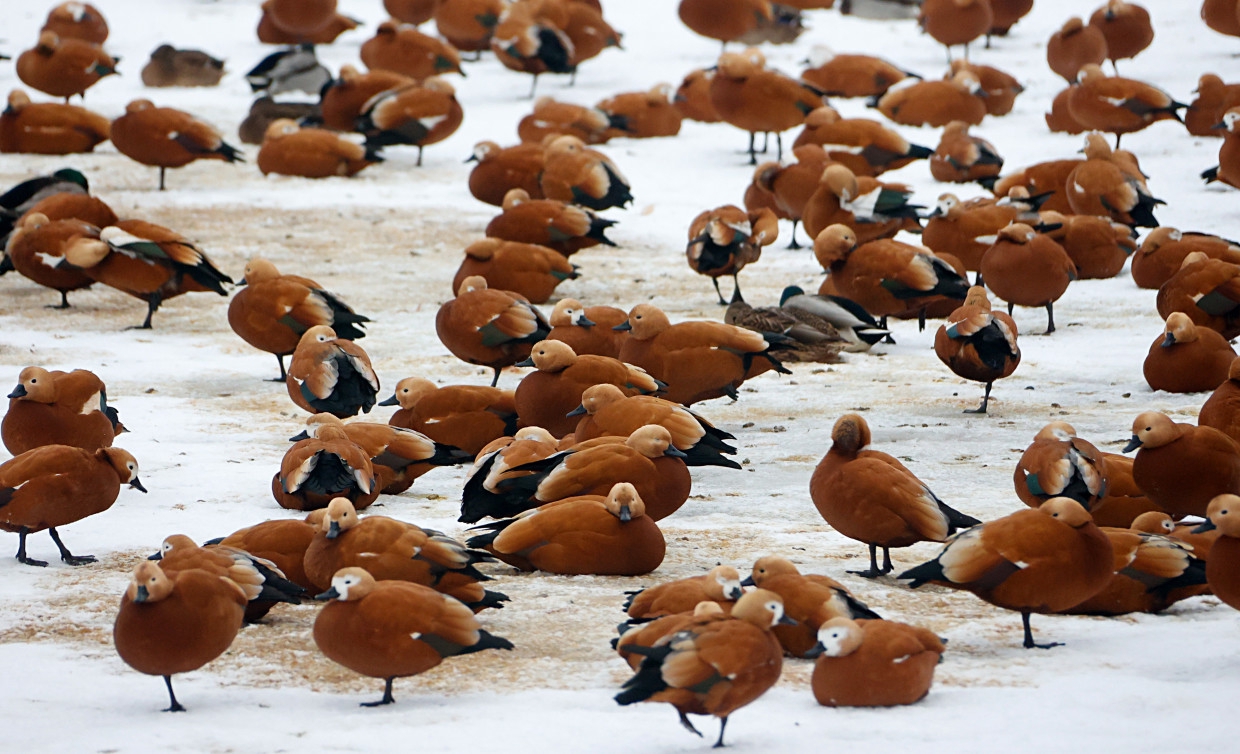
(748, 581)
(1206, 526)
(1219, 126)
(527, 362)
(784, 620)
(302, 435)
(814, 651)
(471, 158)
(583, 322)
(675, 452)
(623, 326)
(625, 513)
(1133, 444)
(137, 485)
(576, 412)
(333, 530)
(390, 401)
(18, 392)
(157, 556)
(733, 593)
(1168, 340)
(330, 594)
(142, 594)
(241, 282)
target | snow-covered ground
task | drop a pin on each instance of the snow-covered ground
(209, 433)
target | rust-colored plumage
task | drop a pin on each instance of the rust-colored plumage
(1118, 105)
(1187, 358)
(810, 600)
(77, 20)
(1098, 246)
(63, 67)
(405, 50)
(870, 208)
(721, 585)
(956, 22)
(58, 408)
(466, 24)
(873, 663)
(1207, 291)
(852, 75)
(319, 469)
(464, 416)
(726, 21)
(643, 115)
(1180, 467)
(345, 97)
(550, 117)
(556, 224)
(962, 158)
(311, 152)
(36, 249)
(1152, 572)
(722, 241)
(1214, 98)
(489, 327)
(1126, 27)
(331, 374)
(1060, 464)
(1074, 46)
(864, 146)
(282, 541)
(754, 98)
(574, 173)
(1027, 268)
(978, 344)
(49, 127)
(527, 269)
(167, 138)
(1163, 251)
(1223, 568)
(936, 103)
(1222, 409)
(418, 115)
(588, 329)
(501, 169)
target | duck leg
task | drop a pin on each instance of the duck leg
(719, 293)
(65, 555)
(1029, 642)
(736, 289)
(723, 723)
(283, 372)
(64, 302)
(985, 400)
(175, 706)
(495, 379)
(753, 156)
(921, 319)
(1117, 138)
(387, 694)
(883, 324)
(419, 155)
(1050, 318)
(161, 178)
(886, 560)
(151, 305)
(1011, 306)
(793, 243)
(21, 549)
(534, 86)
(779, 146)
(977, 279)
(873, 572)
(685, 721)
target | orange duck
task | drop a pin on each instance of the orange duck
(530, 38)
(724, 240)
(721, 585)
(418, 115)
(269, 32)
(697, 360)
(1060, 119)
(1060, 464)
(978, 344)
(59, 408)
(273, 311)
(501, 169)
(1124, 500)
(79, 21)
(331, 374)
(394, 629)
(646, 459)
(411, 11)
(873, 663)
(1163, 251)
(262, 581)
(1228, 168)
(1101, 185)
(1028, 268)
(574, 173)
(1224, 564)
(588, 329)
(726, 21)
(167, 138)
(1076, 45)
(49, 127)
(871, 497)
(344, 98)
(1098, 246)
(526, 269)
(467, 24)
(885, 277)
(1126, 27)
(1157, 522)
(999, 89)
(864, 146)
(464, 416)
(692, 97)
(967, 229)
(1043, 560)
(961, 158)
(553, 223)
(588, 32)
(1207, 290)
(643, 115)
(1007, 13)
(546, 395)
(1214, 98)
(1221, 410)
(870, 208)
(1181, 467)
(936, 103)
(789, 189)
(715, 665)
(281, 541)
(1047, 179)
(201, 610)
(146, 261)
(1118, 105)
(840, 75)
(394, 550)
(319, 469)
(407, 51)
(1187, 358)
(36, 249)
(809, 600)
(300, 17)
(289, 149)
(501, 459)
(55, 485)
(590, 534)
(551, 117)
(956, 22)
(489, 327)
(63, 67)
(397, 455)
(757, 99)
(1221, 16)
(647, 634)
(605, 410)
(1152, 572)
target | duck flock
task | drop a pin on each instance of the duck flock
(603, 473)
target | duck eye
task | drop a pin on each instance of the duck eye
(33, 380)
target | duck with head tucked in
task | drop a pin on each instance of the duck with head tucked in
(1187, 358)
(49, 127)
(318, 469)
(869, 496)
(553, 223)
(489, 327)
(722, 241)
(164, 137)
(262, 581)
(394, 629)
(527, 269)
(978, 344)
(720, 585)
(1207, 290)
(1222, 409)
(331, 374)
(63, 66)
(1060, 464)
(464, 416)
